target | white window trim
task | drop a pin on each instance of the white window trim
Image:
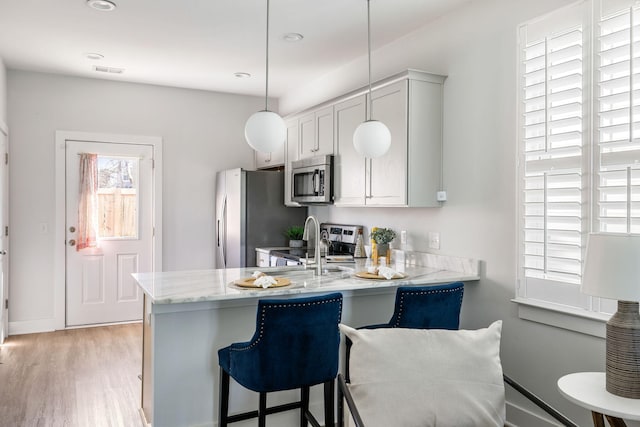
(564, 317)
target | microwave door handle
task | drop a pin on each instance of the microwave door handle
(316, 182)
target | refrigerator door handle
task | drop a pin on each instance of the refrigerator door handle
(224, 229)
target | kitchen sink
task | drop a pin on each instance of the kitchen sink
(300, 270)
(278, 271)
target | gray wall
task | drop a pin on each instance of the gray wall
(202, 133)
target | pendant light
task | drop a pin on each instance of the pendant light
(265, 130)
(372, 137)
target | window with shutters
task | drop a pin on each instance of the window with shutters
(579, 144)
(617, 144)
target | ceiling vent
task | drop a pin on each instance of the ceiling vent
(111, 70)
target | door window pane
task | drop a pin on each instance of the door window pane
(118, 197)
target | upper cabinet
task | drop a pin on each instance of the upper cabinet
(372, 182)
(348, 165)
(291, 154)
(409, 174)
(386, 176)
(316, 133)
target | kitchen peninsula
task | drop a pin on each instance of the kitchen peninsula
(189, 315)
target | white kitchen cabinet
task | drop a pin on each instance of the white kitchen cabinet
(409, 174)
(349, 165)
(291, 154)
(269, 160)
(316, 133)
(386, 176)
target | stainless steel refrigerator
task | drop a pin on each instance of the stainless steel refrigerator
(250, 213)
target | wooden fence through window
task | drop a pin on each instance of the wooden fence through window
(118, 212)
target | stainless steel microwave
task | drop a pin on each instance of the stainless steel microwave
(312, 180)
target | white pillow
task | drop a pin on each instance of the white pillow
(427, 378)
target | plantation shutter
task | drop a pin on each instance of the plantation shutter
(617, 145)
(579, 152)
(551, 158)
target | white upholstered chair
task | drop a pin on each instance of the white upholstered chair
(427, 378)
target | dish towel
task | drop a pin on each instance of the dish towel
(386, 272)
(265, 281)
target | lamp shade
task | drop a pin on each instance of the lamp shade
(372, 139)
(612, 266)
(265, 131)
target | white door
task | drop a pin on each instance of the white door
(99, 286)
(4, 240)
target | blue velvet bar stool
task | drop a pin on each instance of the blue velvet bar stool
(295, 346)
(428, 307)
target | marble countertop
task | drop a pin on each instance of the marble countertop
(177, 287)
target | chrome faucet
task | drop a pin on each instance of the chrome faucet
(305, 236)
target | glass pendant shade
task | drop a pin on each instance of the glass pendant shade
(265, 131)
(372, 139)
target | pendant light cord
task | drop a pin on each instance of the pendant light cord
(266, 83)
(369, 53)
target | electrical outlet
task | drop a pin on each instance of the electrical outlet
(403, 237)
(441, 196)
(434, 240)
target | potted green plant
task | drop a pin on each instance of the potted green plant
(382, 237)
(294, 233)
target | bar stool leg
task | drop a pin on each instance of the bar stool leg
(329, 395)
(224, 399)
(304, 408)
(262, 411)
(340, 407)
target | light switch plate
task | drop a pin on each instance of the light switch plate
(441, 196)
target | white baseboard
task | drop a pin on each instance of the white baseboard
(31, 326)
(518, 416)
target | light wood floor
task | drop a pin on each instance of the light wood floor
(76, 378)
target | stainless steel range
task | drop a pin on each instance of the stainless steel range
(342, 240)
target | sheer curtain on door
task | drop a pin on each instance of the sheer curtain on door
(88, 202)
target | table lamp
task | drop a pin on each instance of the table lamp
(612, 270)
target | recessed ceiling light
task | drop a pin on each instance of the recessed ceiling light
(93, 56)
(242, 75)
(101, 5)
(292, 37)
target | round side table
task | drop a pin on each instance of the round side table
(587, 389)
